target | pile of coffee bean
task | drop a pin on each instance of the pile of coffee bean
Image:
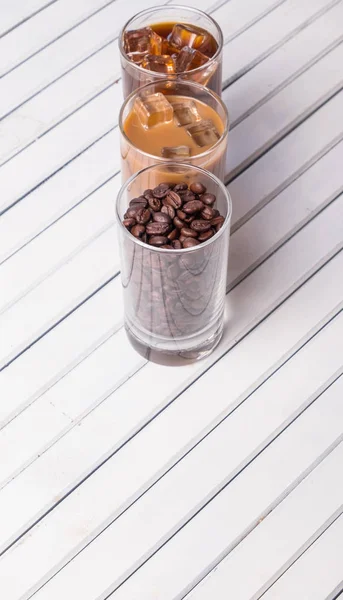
(174, 216)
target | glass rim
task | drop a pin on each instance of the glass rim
(182, 251)
(182, 82)
(176, 6)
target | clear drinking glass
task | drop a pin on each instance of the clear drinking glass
(174, 299)
(133, 159)
(210, 74)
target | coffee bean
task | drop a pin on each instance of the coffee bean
(143, 215)
(168, 210)
(200, 225)
(188, 196)
(176, 244)
(217, 221)
(219, 226)
(189, 242)
(208, 199)
(180, 186)
(138, 230)
(154, 203)
(129, 222)
(182, 215)
(157, 228)
(192, 207)
(173, 234)
(158, 240)
(161, 190)
(132, 211)
(147, 193)
(187, 232)
(207, 213)
(142, 202)
(160, 217)
(189, 218)
(197, 188)
(173, 199)
(178, 223)
(206, 235)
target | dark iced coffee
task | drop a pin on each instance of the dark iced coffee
(171, 42)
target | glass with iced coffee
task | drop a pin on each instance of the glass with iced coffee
(173, 120)
(171, 41)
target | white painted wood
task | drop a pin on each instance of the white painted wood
(233, 20)
(248, 49)
(223, 521)
(58, 353)
(15, 13)
(61, 145)
(272, 544)
(36, 261)
(283, 65)
(65, 189)
(250, 138)
(289, 211)
(266, 274)
(243, 433)
(66, 52)
(43, 29)
(317, 572)
(287, 160)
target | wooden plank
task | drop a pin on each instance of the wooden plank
(316, 572)
(283, 217)
(271, 282)
(14, 14)
(45, 254)
(245, 51)
(58, 353)
(286, 161)
(222, 518)
(61, 145)
(284, 64)
(65, 53)
(254, 423)
(250, 138)
(273, 544)
(47, 26)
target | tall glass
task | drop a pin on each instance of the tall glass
(134, 159)
(174, 299)
(210, 74)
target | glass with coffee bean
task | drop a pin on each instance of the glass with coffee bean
(175, 120)
(171, 41)
(174, 240)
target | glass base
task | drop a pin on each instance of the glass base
(160, 354)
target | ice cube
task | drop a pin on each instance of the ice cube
(186, 35)
(204, 133)
(189, 59)
(185, 112)
(140, 42)
(176, 152)
(160, 64)
(153, 109)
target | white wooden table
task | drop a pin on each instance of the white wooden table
(125, 480)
